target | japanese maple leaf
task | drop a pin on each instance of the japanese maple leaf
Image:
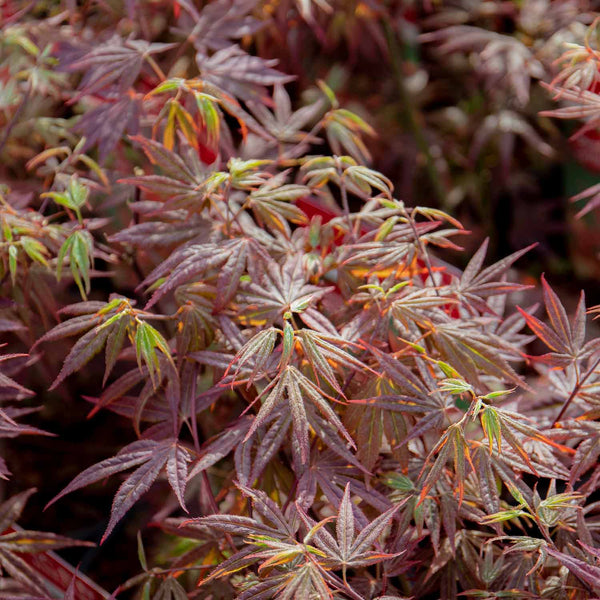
(331, 474)
(284, 124)
(565, 337)
(477, 283)
(218, 23)
(289, 567)
(181, 182)
(9, 427)
(242, 75)
(268, 524)
(116, 63)
(586, 572)
(149, 457)
(231, 258)
(474, 351)
(106, 124)
(12, 389)
(293, 387)
(346, 549)
(503, 60)
(282, 288)
(15, 545)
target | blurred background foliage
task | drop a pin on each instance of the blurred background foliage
(451, 88)
(453, 91)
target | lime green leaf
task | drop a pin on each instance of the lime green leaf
(147, 341)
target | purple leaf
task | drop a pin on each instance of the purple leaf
(131, 456)
(82, 352)
(135, 485)
(345, 524)
(177, 471)
(220, 446)
(241, 74)
(585, 572)
(11, 509)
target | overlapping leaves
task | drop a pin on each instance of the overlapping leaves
(312, 348)
(16, 544)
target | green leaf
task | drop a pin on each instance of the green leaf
(147, 341)
(448, 371)
(12, 262)
(255, 353)
(115, 341)
(454, 386)
(81, 259)
(34, 249)
(490, 422)
(73, 198)
(504, 515)
(399, 482)
(79, 247)
(288, 343)
(141, 552)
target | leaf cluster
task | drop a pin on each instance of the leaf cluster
(337, 411)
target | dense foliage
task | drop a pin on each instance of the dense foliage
(193, 239)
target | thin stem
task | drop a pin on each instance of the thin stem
(214, 507)
(193, 426)
(575, 391)
(159, 72)
(345, 204)
(410, 115)
(15, 117)
(423, 250)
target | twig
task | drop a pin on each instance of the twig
(575, 391)
(15, 117)
(410, 115)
